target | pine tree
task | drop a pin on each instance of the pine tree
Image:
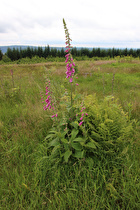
(9, 53)
(98, 52)
(28, 52)
(40, 52)
(1, 54)
(62, 52)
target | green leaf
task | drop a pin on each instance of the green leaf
(74, 134)
(67, 154)
(54, 142)
(76, 146)
(59, 134)
(79, 139)
(74, 124)
(94, 142)
(64, 141)
(91, 145)
(95, 135)
(64, 133)
(79, 154)
(55, 149)
(50, 136)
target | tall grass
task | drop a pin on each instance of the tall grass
(28, 179)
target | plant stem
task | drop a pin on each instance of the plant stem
(71, 96)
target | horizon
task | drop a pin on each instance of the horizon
(63, 46)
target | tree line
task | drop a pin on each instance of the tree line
(16, 54)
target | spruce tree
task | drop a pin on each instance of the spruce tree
(1, 54)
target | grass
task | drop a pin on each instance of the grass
(28, 179)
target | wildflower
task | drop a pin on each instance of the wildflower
(71, 79)
(11, 72)
(69, 60)
(80, 123)
(77, 84)
(81, 118)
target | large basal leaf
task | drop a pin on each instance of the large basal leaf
(74, 134)
(90, 145)
(76, 146)
(79, 154)
(54, 142)
(80, 140)
(50, 136)
(64, 141)
(67, 154)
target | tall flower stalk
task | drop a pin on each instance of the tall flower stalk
(70, 66)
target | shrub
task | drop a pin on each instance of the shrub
(107, 126)
(105, 132)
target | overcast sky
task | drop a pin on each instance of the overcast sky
(91, 23)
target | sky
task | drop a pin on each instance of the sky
(91, 23)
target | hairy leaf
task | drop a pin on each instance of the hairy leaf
(91, 145)
(74, 134)
(79, 154)
(54, 142)
(76, 146)
(67, 154)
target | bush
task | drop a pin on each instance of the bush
(6, 59)
(105, 132)
(108, 127)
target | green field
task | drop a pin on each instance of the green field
(28, 179)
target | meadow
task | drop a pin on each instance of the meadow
(28, 179)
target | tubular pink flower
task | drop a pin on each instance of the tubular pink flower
(81, 118)
(71, 79)
(73, 64)
(81, 123)
(67, 55)
(73, 70)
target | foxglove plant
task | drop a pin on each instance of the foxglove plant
(67, 137)
(49, 103)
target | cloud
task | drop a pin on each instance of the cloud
(88, 21)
